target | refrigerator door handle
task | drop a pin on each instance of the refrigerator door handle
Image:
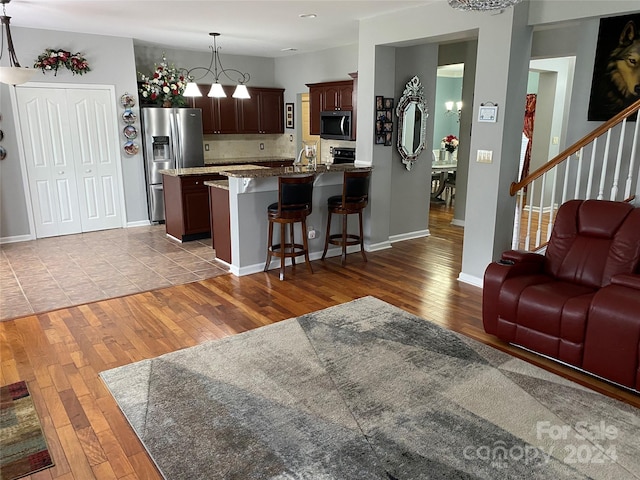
(175, 134)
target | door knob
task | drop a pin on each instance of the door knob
(61, 172)
(89, 171)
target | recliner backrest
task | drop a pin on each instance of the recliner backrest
(592, 241)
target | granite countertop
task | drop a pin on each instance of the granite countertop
(183, 172)
(284, 171)
(232, 161)
(222, 184)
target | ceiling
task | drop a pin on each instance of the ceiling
(264, 28)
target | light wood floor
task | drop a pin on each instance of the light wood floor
(60, 353)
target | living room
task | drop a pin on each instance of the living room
(425, 269)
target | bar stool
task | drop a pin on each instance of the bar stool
(354, 198)
(293, 205)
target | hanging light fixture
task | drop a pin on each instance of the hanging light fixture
(482, 5)
(14, 74)
(216, 90)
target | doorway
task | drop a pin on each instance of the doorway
(71, 157)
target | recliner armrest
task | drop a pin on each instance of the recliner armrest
(626, 280)
(519, 256)
(512, 264)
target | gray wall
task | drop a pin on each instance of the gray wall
(410, 189)
(111, 61)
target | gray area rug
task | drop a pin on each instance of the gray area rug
(365, 390)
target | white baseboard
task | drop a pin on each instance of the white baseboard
(140, 223)
(409, 236)
(17, 238)
(275, 262)
(470, 279)
(374, 247)
(457, 223)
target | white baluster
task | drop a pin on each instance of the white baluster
(632, 160)
(616, 173)
(527, 239)
(576, 193)
(594, 145)
(540, 211)
(553, 201)
(565, 185)
(605, 161)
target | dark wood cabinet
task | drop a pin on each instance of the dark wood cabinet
(186, 201)
(263, 112)
(219, 115)
(220, 222)
(329, 96)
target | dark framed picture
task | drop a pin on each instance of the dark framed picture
(380, 139)
(388, 127)
(615, 72)
(379, 102)
(387, 139)
(288, 115)
(388, 103)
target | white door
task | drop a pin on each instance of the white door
(46, 136)
(71, 157)
(91, 114)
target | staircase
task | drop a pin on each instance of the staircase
(603, 165)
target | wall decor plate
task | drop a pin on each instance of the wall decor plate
(127, 100)
(3, 153)
(130, 132)
(129, 117)
(131, 148)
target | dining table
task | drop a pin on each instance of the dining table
(439, 172)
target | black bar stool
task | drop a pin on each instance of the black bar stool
(293, 205)
(354, 198)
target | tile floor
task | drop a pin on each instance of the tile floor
(50, 273)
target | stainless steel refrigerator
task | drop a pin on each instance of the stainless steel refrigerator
(171, 138)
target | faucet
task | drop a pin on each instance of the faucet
(299, 156)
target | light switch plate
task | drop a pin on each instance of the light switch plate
(484, 156)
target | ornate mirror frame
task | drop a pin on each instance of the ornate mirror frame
(411, 109)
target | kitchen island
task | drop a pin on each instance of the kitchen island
(186, 199)
(249, 191)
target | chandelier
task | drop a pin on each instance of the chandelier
(14, 74)
(482, 5)
(216, 90)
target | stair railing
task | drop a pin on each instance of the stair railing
(582, 171)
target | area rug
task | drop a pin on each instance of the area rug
(23, 448)
(365, 390)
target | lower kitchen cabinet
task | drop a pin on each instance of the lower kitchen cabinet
(220, 223)
(186, 203)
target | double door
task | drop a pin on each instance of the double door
(71, 156)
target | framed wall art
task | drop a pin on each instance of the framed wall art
(616, 75)
(288, 115)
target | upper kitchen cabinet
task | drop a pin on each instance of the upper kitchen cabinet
(263, 112)
(329, 96)
(219, 115)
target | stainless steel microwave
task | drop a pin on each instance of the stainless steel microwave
(335, 124)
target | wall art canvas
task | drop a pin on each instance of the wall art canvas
(616, 71)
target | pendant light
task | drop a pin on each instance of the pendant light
(14, 74)
(216, 69)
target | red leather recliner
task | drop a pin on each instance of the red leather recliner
(580, 301)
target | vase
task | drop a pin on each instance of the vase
(167, 104)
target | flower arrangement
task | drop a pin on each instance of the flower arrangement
(53, 59)
(450, 143)
(164, 87)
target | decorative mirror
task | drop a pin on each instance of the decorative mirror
(412, 122)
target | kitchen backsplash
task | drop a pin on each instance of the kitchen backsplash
(248, 146)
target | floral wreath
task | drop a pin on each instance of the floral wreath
(165, 86)
(53, 59)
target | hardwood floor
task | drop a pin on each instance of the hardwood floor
(60, 353)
